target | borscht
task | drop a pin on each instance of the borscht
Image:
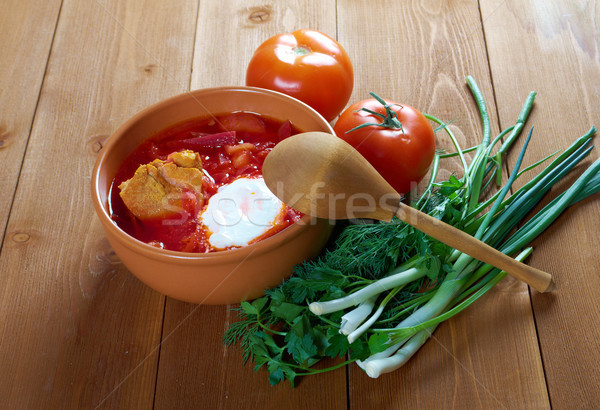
(198, 187)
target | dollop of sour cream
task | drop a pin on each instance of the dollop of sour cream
(241, 212)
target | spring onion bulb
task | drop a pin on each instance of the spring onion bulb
(367, 324)
(376, 367)
(352, 319)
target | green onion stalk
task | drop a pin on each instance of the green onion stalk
(377, 296)
(468, 279)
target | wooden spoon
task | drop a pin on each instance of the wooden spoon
(321, 175)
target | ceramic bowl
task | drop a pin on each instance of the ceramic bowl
(223, 277)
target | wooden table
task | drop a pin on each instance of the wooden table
(77, 330)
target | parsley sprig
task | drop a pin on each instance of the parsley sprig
(280, 332)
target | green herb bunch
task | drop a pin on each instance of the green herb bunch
(377, 294)
(279, 331)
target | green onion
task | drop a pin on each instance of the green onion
(376, 296)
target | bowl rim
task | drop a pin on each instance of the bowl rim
(239, 254)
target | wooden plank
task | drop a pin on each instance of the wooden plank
(553, 49)
(26, 31)
(194, 365)
(82, 332)
(229, 32)
(488, 356)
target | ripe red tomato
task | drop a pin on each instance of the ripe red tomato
(401, 146)
(307, 65)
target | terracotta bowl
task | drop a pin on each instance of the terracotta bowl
(218, 277)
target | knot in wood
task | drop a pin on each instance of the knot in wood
(260, 14)
(148, 68)
(96, 143)
(21, 237)
(97, 146)
(4, 136)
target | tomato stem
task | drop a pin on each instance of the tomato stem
(302, 50)
(389, 120)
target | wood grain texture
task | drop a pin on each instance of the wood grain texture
(82, 332)
(78, 331)
(26, 32)
(194, 366)
(423, 61)
(229, 31)
(554, 49)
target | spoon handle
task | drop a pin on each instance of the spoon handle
(457, 239)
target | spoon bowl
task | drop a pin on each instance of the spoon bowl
(323, 176)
